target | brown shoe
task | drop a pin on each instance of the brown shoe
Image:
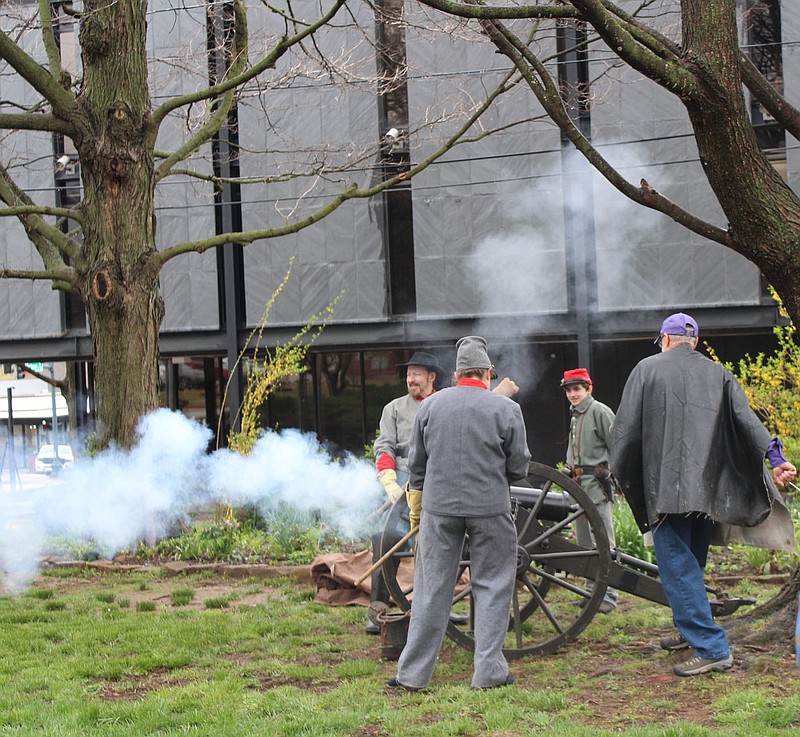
(673, 642)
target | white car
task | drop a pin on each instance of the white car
(44, 458)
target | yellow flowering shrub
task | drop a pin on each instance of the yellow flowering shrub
(268, 368)
(772, 384)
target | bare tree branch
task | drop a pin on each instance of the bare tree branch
(639, 56)
(244, 238)
(64, 279)
(50, 242)
(223, 107)
(34, 122)
(59, 212)
(38, 77)
(546, 91)
(233, 81)
(509, 12)
(787, 115)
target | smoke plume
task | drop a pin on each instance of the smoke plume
(120, 497)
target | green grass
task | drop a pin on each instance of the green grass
(285, 666)
(181, 597)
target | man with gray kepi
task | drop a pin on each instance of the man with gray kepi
(688, 453)
(391, 452)
(468, 445)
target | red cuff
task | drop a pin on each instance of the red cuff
(384, 462)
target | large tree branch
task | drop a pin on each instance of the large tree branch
(50, 242)
(223, 105)
(666, 72)
(49, 39)
(34, 122)
(546, 91)
(37, 76)
(233, 81)
(244, 238)
(64, 279)
(501, 11)
(787, 115)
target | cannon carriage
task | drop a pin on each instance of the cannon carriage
(560, 584)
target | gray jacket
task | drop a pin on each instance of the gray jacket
(467, 446)
(588, 443)
(685, 440)
(397, 419)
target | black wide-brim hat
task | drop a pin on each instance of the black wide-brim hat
(426, 360)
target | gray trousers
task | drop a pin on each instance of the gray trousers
(493, 560)
(584, 537)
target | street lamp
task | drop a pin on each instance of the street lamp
(56, 459)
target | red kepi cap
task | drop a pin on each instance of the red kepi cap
(576, 376)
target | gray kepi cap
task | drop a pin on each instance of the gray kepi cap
(471, 353)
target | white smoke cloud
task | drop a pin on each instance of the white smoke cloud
(120, 497)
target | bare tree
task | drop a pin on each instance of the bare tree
(697, 58)
(104, 248)
(690, 49)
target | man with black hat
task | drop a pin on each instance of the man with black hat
(468, 445)
(688, 453)
(587, 461)
(391, 456)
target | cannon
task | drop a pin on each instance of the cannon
(560, 584)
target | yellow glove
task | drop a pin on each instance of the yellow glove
(389, 480)
(414, 499)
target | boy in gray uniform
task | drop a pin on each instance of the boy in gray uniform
(587, 460)
(467, 446)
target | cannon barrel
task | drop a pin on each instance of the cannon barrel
(556, 506)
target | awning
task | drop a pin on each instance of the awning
(30, 407)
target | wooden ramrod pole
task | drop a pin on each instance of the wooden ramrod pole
(388, 554)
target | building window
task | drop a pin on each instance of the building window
(763, 38)
(395, 157)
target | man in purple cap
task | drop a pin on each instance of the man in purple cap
(688, 453)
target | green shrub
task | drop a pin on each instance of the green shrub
(628, 536)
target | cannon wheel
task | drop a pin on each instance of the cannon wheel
(552, 603)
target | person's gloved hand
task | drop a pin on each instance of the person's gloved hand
(414, 499)
(506, 388)
(388, 478)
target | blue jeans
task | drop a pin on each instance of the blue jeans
(681, 544)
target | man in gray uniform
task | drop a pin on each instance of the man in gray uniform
(391, 458)
(467, 446)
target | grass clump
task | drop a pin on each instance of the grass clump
(182, 597)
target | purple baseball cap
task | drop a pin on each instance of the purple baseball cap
(679, 324)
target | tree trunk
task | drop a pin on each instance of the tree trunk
(762, 210)
(779, 612)
(120, 276)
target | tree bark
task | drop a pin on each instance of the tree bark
(120, 284)
(762, 210)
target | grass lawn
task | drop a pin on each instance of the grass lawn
(107, 654)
